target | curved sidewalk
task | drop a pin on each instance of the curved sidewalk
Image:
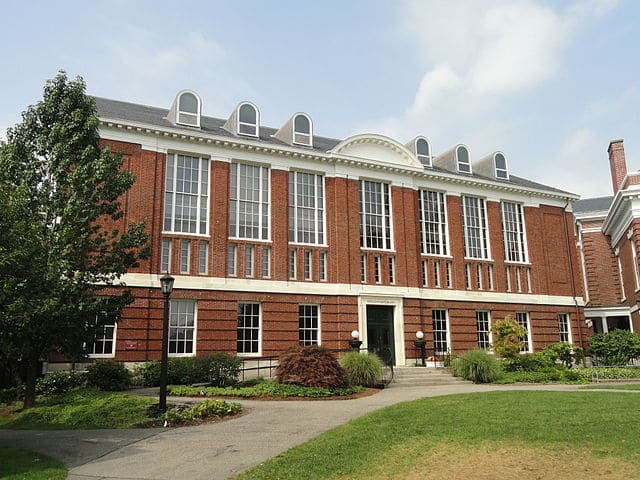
(216, 450)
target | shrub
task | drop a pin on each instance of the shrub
(219, 369)
(477, 366)
(265, 389)
(109, 376)
(59, 383)
(528, 362)
(311, 366)
(615, 348)
(10, 395)
(365, 369)
(548, 375)
(206, 409)
(566, 353)
(507, 337)
(223, 370)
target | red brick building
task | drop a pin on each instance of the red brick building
(608, 233)
(278, 237)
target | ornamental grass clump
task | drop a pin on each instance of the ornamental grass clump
(364, 369)
(311, 366)
(477, 366)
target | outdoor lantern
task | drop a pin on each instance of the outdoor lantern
(166, 282)
(355, 342)
(421, 343)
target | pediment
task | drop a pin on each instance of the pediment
(376, 148)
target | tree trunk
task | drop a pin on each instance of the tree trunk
(30, 385)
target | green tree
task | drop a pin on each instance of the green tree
(59, 248)
(507, 337)
(616, 347)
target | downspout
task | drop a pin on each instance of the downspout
(571, 272)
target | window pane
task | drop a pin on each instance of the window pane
(302, 125)
(188, 103)
(248, 114)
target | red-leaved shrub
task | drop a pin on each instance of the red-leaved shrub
(311, 366)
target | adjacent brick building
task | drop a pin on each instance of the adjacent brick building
(279, 236)
(608, 231)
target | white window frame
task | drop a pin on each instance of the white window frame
(514, 232)
(295, 133)
(293, 264)
(527, 342)
(256, 126)
(266, 262)
(259, 328)
(460, 163)
(172, 304)
(249, 259)
(437, 339)
(367, 216)
(180, 112)
(377, 269)
(487, 333)
(322, 266)
(430, 226)
(634, 256)
(448, 274)
(201, 197)
(499, 171)
(508, 277)
(185, 263)
(236, 204)
(479, 276)
(302, 340)
(232, 260)
(308, 265)
(425, 273)
(103, 340)
(467, 276)
(437, 281)
(392, 270)
(422, 158)
(165, 253)
(203, 254)
(363, 269)
(475, 225)
(317, 230)
(564, 327)
(624, 295)
(490, 277)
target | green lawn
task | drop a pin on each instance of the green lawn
(18, 464)
(551, 435)
(616, 386)
(83, 409)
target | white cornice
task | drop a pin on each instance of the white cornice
(184, 282)
(624, 208)
(115, 129)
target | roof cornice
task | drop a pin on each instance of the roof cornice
(247, 144)
(624, 208)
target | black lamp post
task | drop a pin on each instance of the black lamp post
(355, 341)
(166, 283)
(420, 343)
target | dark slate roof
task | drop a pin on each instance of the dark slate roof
(597, 204)
(133, 112)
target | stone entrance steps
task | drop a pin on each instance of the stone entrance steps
(424, 376)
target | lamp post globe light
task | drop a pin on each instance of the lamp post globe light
(420, 343)
(355, 341)
(166, 284)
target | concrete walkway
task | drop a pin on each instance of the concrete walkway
(216, 450)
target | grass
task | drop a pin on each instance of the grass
(18, 464)
(617, 386)
(262, 390)
(83, 409)
(386, 443)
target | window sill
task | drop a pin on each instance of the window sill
(185, 234)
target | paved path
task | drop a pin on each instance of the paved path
(216, 450)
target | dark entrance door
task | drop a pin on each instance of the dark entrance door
(380, 332)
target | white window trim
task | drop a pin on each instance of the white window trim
(444, 242)
(437, 277)
(634, 256)
(448, 274)
(198, 113)
(259, 352)
(239, 123)
(295, 211)
(234, 248)
(427, 157)
(624, 296)
(319, 342)
(523, 248)
(322, 266)
(232, 235)
(569, 335)
(249, 266)
(188, 269)
(195, 328)
(490, 334)
(529, 332)
(113, 346)
(292, 264)
(206, 258)
(307, 263)
(384, 219)
(448, 336)
(484, 231)
(294, 132)
(266, 254)
(458, 163)
(496, 169)
(170, 243)
(392, 270)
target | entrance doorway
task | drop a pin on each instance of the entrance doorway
(380, 338)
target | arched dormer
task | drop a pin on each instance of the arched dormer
(302, 130)
(500, 167)
(421, 148)
(376, 148)
(463, 161)
(494, 166)
(245, 120)
(297, 131)
(186, 109)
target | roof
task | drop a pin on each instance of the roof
(598, 204)
(154, 116)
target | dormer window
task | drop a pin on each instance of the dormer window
(423, 151)
(462, 159)
(302, 130)
(500, 162)
(248, 120)
(188, 109)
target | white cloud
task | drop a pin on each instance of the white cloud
(478, 57)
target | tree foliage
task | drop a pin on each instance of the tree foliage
(507, 337)
(565, 352)
(59, 246)
(615, 348)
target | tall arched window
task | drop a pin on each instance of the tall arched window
(248, 120)
(500, 162)
(462, 159)
(423, 151)
(302, 130)
(188, 109)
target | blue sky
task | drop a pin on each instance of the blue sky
(550, 83)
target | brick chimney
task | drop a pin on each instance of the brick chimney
(617, 163)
